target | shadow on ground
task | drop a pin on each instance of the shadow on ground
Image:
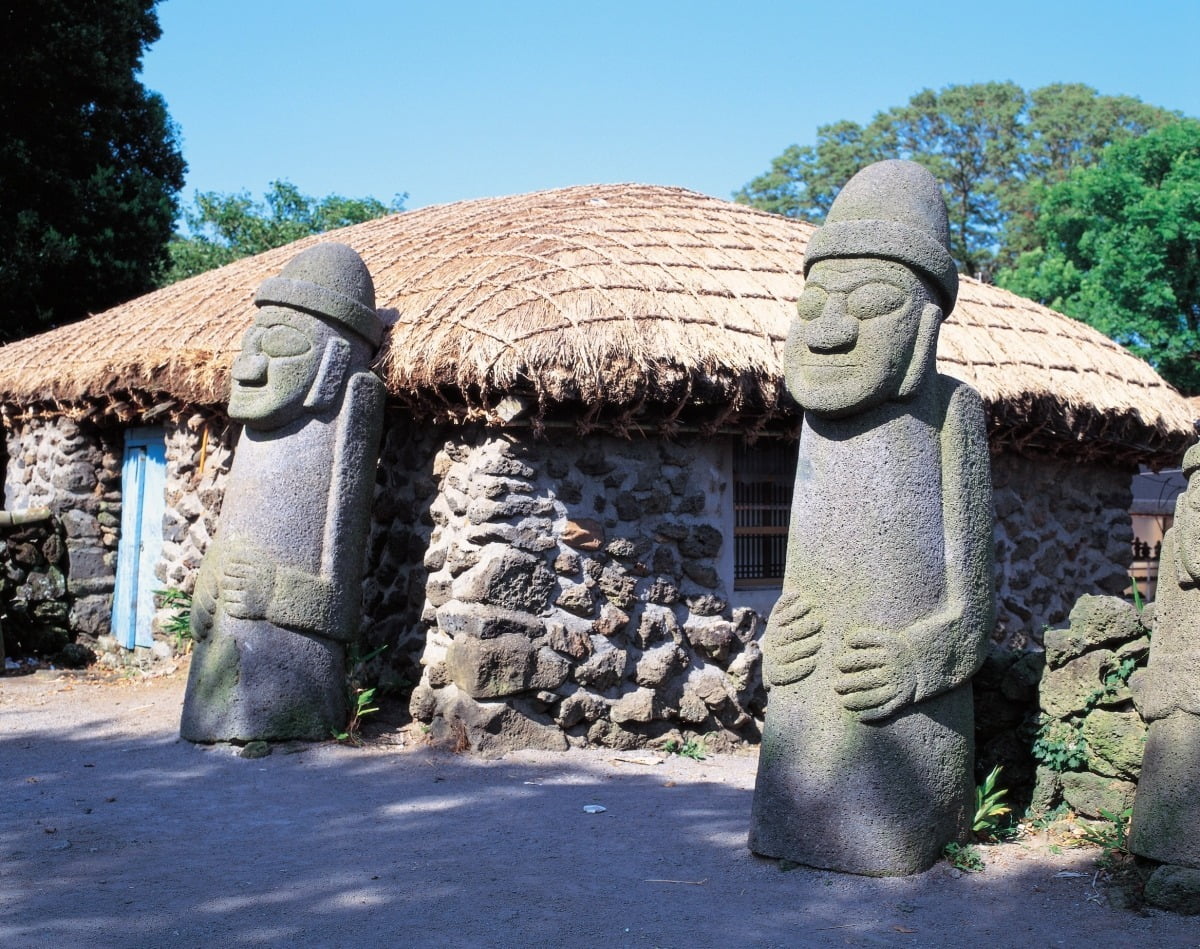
(115, 839)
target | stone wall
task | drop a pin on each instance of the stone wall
(75, 470)
(199, 451)
(1062, 530)
(574, 596)
(1091, 737)
(33, 593)
(395, 574)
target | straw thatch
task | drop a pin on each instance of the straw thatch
(632, 304)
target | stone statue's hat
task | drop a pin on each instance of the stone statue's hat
(894, 210)
(328, 280)
(1191, 460)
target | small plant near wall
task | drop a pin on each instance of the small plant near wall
(692, 748)
(358, 695)
(1111, 835)
(179, 623)
(963, 857)
(1060, 746)
(989, 806)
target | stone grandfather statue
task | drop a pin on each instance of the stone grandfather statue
(1166, 812)
(888, 593)
(278, 594)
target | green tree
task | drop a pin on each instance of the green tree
(90, 167)
(1120, 249)
(225, 227)
(990, 144)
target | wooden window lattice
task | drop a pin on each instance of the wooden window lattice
(763, 476)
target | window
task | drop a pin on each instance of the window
(763, 475)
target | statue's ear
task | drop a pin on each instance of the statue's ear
(330, 376)
(924, 356)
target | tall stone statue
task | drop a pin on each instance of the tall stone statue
(888, 592)
(278, 594)
(1166, 811)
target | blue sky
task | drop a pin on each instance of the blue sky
(458, 100)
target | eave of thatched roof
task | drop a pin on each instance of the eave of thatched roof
(635, 300)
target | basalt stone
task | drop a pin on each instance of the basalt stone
(567, 564)
(550, 670)
(712, 639)
(621, 548)
(40, 587)
(507, 578)
(578, 599)
(491, 668)
(279, 592)
(439, 590)
(745, 671)
(570, 642)
(482, 510)
(492, 729)
(1095, 621)
(889, 599)
(745, 624)
(580, 707)
(611, 621)
(1115, 742)
(1069, 688)
(604, 668)
(569, 492)
(53, 549)
(53, 612)
(656, 666)
(703, 540)
(90, 615)
(76, 478)
(641, 705)
(665, 561)
(706, 604)
(27, 555)
(663, 592)
(701, 573)
(1175, 888)
(618, 587)
(484, 621)
(671, 530)
(531, 534)
(1091, 794)
(75, 656)
(594, 462)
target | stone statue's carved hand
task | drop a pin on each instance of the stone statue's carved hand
(877, 674)
(204, 602)
(791, 643)
(247, 581)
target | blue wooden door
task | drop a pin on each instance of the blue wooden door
(143, 503)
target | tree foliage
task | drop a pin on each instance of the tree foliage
(225, 227)
(90, 168)
(1120, 249)
(990, 144)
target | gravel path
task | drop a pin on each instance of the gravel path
(113, 832)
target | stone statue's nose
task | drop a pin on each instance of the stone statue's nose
(250, 367)
(834, 330)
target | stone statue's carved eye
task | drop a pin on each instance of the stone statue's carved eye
(875, 299)
(284, 341)
(811, 302)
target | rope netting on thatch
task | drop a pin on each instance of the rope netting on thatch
(632, 297)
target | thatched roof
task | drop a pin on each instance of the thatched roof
(633, 304)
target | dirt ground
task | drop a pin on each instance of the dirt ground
(113, 832)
